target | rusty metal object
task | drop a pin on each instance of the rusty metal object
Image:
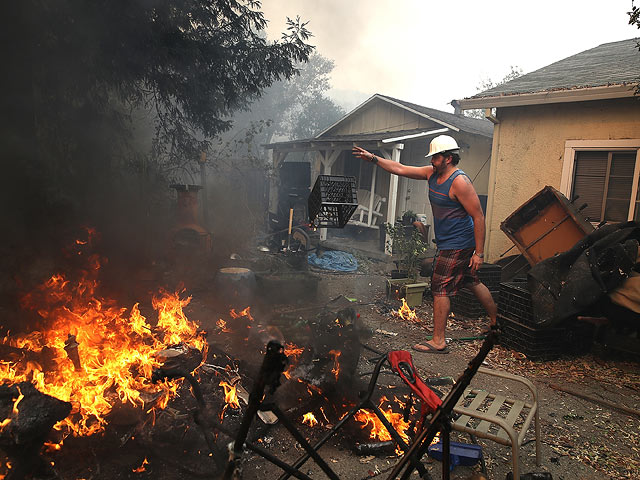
(71, 347)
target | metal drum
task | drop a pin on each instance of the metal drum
(235, 286)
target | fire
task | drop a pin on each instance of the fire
(292, 352)
(243, 313)
(336, 364)
(230, 394)
(222, 325)
(406, 313)
(309, 419)
(230, 397)
(17, 401)
(378, 430)
(142, 467)
(101, 353)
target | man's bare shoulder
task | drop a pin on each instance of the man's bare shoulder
(428, 171)
(462, 181)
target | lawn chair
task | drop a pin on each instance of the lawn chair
(362, 217)
(496, 417)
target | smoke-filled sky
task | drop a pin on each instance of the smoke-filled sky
(431, 52)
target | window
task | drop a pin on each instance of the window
(604, 175)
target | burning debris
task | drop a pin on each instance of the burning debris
(86, 357)
(29, 416)
(102, 366)
(405, 313)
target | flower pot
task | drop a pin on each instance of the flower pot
(413, 293)
(395, 287)
(398, 274)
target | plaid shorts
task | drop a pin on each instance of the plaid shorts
(451, 272)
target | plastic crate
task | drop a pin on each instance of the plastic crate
(466, 304)
(544, 343)
(332, 201)
(490, 274)
(514, 302)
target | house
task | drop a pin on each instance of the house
(396, 130)
(573, 125)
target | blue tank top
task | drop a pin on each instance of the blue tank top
(452, 225)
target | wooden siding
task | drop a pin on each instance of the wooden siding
(380, 116)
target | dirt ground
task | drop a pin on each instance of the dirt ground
(580, 439)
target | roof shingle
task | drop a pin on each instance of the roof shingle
(616, 63)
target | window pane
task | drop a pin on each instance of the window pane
(616, 211)
(590, 171)
(623, 163)
(620, 188)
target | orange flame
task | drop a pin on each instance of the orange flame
(309, 419)
(244, 313)
(230, 394)
(18, 400)
(378, 430)
(141, 468)
(292, 352)
(222, 325)
(230, 397)
(101, 354)
(336, 364)
(406, 313)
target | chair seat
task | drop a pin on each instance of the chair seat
(362, 216)
(499, 418)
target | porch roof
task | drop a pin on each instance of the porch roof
(347, 141)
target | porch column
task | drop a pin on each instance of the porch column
(393, 193)
(373, 194)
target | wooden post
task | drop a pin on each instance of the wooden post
(393, 193)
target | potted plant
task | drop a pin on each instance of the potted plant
(409, 217)
(407, 249)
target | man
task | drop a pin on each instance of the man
(459, 230)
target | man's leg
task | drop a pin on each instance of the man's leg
(441, 310)
(483, 295)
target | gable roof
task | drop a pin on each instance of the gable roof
(455, 122)
(611, 70)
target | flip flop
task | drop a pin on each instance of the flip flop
(427, 348)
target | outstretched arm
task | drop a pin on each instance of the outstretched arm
(397, 168)
(463, 190)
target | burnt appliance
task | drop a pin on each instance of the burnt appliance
(188, 234)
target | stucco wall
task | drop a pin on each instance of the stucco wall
(529, 146)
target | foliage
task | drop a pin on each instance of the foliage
(487, 84)
(408, 245)
(634, 19)
(409, 215)
(296, 108)
(95, 86)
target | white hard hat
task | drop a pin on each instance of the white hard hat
(442, 143)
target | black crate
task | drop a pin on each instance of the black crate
(332, 201)
(466, 304)
(514, 302)
(490, 274)
(545, 343)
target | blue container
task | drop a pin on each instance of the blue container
(459, 453)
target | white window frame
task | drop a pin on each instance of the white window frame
(569, 160)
